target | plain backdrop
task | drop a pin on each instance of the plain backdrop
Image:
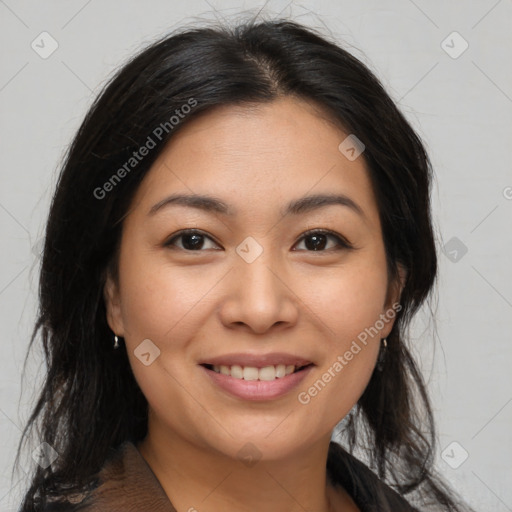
(447, 65)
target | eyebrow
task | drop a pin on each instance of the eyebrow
(295, 207)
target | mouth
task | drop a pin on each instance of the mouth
(253, 378)
(252, 373)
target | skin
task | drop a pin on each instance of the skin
(209, 301)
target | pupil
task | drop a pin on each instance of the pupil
(319, 242)
(197, 243)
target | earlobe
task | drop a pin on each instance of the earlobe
(113, 306)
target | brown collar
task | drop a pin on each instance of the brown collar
(127, 483)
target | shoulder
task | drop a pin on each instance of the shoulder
(127, 484)
(124, 483)
(366, 489)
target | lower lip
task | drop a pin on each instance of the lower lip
(258, 389)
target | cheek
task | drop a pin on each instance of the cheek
(349, 306)
(161, 303)
(351, 300)
(158, 298)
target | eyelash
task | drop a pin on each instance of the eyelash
(343, 243)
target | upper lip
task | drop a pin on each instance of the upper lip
(255, 360)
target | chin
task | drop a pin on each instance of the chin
(263, 442)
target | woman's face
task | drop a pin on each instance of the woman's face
(215, 320)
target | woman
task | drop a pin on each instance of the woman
(238, 240)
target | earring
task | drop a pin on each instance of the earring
(116, 342)
(382, 355)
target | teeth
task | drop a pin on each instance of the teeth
(236, 371)
(252, 373)
(267, 373)
(280, 371)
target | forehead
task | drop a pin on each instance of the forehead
(261, 156)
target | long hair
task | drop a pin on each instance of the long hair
(90, 402)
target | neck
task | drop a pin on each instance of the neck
(197, 479)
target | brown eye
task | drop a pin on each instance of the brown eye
(192, 240)
(317, 240)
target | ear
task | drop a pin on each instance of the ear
(396, 287)
(113, 305)
(393, 305)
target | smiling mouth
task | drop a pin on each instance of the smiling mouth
(267, 373)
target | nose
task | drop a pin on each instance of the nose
(259, 297)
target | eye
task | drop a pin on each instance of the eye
(315, 240)
(192, 240)
(318, 240)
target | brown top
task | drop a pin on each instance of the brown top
(126, 483)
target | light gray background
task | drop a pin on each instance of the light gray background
(462, 108)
